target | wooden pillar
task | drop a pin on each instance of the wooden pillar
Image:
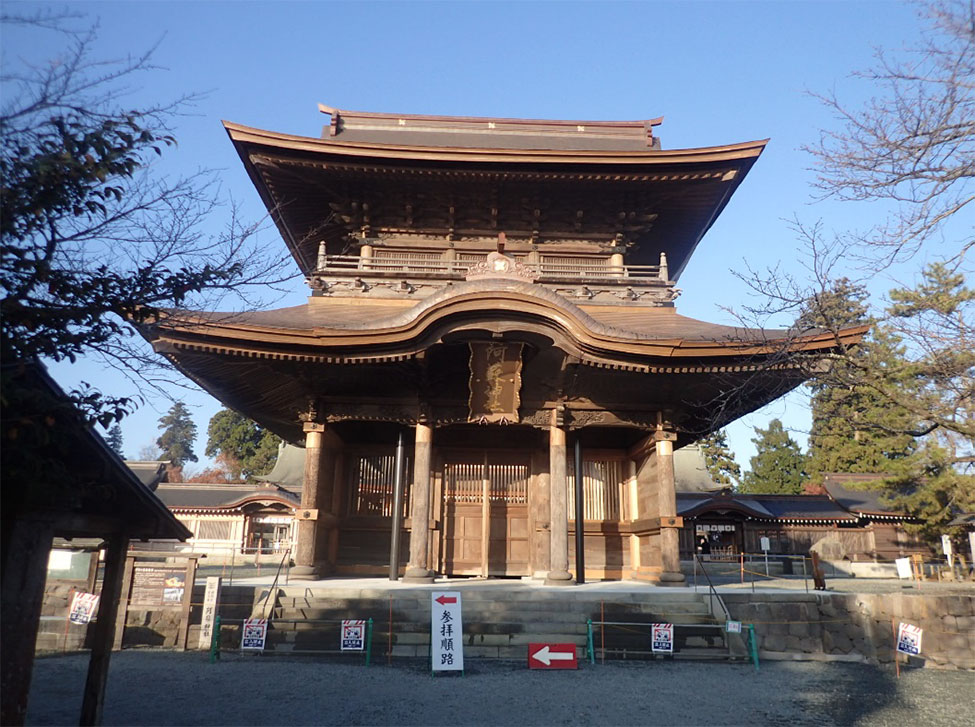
(307, 548)
(104, 630)
(633, 494)
(670, 524)
(418, 569)
(28, 547)
(558, 499)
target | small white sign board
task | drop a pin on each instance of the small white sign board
(909, 639)
(446, 631)
(211, 599)
(733, 627)
(766, 545)
(971, 544)
(662, 638)
(255, 634)
(83, 607)
(353, 635)
(903, 567)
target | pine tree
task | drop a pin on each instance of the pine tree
(779, 466)
(854, 428)
(114, 439)
(243, 446)
(719, 459)
(178, 435)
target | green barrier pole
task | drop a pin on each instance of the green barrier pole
(368, 642)
(215, 641)
(589, 645)
(753, 643)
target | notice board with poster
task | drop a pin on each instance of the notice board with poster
(154, 582)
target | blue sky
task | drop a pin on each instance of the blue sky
(718, 72)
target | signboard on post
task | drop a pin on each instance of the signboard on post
(353, 635)
(552, 656)
(909, 639)
(946, 547)
(733, 627)
(766, 545)
(83, 607)
(154, 585)
(211, 599)
(446, 632)
(255, 634)
(662, 638)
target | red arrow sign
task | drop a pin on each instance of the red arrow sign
(443, 600)
(552, 656)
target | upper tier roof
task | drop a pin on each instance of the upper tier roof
(490, 133)
(461, 178)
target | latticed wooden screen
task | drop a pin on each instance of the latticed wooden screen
(464, 483)
(604, 490)
(371, 488)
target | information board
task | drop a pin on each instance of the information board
(446, 632)
(255, 634)
(156, 585)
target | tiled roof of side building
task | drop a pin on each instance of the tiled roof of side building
(192, 496)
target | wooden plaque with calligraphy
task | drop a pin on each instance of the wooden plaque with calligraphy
(495, 382)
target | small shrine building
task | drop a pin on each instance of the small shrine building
(499, 292)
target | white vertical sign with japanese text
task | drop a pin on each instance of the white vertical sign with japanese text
(446, 632)
(211, 600)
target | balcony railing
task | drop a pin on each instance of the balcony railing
(444, 269)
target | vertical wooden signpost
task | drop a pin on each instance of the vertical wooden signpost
(211, 601)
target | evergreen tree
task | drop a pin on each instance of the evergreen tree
(854, 428)
(114, 439)
(779, 466)
(178, 435)
(243, 446)
(719, 459)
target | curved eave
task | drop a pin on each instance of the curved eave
(407, 334)
(243, 136)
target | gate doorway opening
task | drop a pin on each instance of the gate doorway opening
(486, 517)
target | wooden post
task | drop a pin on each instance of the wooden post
(667, 507)
(580, 515)
(485, 517)
(24, 575)
(558, 500)
(123, 609)
(307, 552)
(101, 648)
(418, 570)
(184, 618)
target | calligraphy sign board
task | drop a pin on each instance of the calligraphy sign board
(446, 632)
(909, 639)
(83, 607)
(255, 634)
(211, 599)
(353, 635)
(495, 382)
(662, 638)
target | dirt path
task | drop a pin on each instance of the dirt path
(166, 688)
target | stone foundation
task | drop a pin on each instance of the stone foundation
(847, 626)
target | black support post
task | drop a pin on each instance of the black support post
(397, 512)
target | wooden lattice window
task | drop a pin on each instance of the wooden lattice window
(372, 485)
(604, 490)
(465, 483)
(214, 530)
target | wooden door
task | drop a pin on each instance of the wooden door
(486, 529)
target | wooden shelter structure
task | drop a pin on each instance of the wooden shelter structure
(498, 290)
(61, 480)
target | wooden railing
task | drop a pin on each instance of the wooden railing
(400, 266)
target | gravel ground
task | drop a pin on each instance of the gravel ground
(148, 687)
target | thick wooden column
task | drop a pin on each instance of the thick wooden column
(670, 524)
(104, 632)
(633, 496)
(307, 553)
(24, 574)
(418, 569)
(558, 499)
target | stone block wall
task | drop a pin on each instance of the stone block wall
(859, 626)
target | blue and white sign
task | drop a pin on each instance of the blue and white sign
(662, 638)
(909, 639)
(255, 634)
(733, 627)
(353, 635)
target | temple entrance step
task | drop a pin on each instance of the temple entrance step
(498, 623)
